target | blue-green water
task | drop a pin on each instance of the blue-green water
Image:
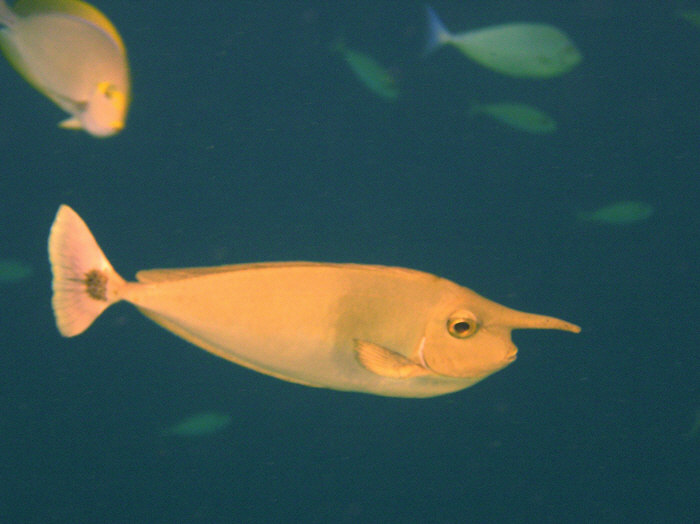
(249, 141)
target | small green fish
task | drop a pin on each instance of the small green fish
(523, 50)
(620, 213)
(694, 430)
(522, 117)
(13, 271)
(199, 425)
(692, 16)
(370, 72)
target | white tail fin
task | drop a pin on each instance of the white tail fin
(84, 282)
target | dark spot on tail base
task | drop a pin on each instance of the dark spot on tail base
(96, 284)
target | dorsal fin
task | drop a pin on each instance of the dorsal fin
(73, 8)
(163, 275)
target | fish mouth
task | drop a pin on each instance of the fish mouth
(487, 370)
(474, 374)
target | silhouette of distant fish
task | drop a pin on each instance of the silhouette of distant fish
(620, 213)
(371, 73)
(517, 49)
(522, 117)
(199, 424)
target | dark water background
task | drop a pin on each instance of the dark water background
(249, 141)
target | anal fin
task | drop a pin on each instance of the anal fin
(385, 362)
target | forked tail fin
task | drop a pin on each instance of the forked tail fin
(437, 32)
(84, 282)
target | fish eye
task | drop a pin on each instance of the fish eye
(107, 89)
(462, 325)
(104, 88)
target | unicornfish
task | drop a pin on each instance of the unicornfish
(364, 328)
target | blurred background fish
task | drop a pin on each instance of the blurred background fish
(522, 117)
(199, 424)
(621, 213)
(517, 49)
(374, 76)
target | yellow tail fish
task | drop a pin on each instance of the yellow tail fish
(371, 329)
(70, 52)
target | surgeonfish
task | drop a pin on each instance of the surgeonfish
(70, 52)
(370, 72)
(372, 329)
(523, 117)
(520, 49)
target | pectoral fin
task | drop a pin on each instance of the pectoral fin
(385, 362)
(70, 123)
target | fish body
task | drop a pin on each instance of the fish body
(199, 424)
(14, 271)
(70, 52)
(621, 213)
(690, 15)
(371, 73)
(372, 329)
(522, 117)
(525, 50)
